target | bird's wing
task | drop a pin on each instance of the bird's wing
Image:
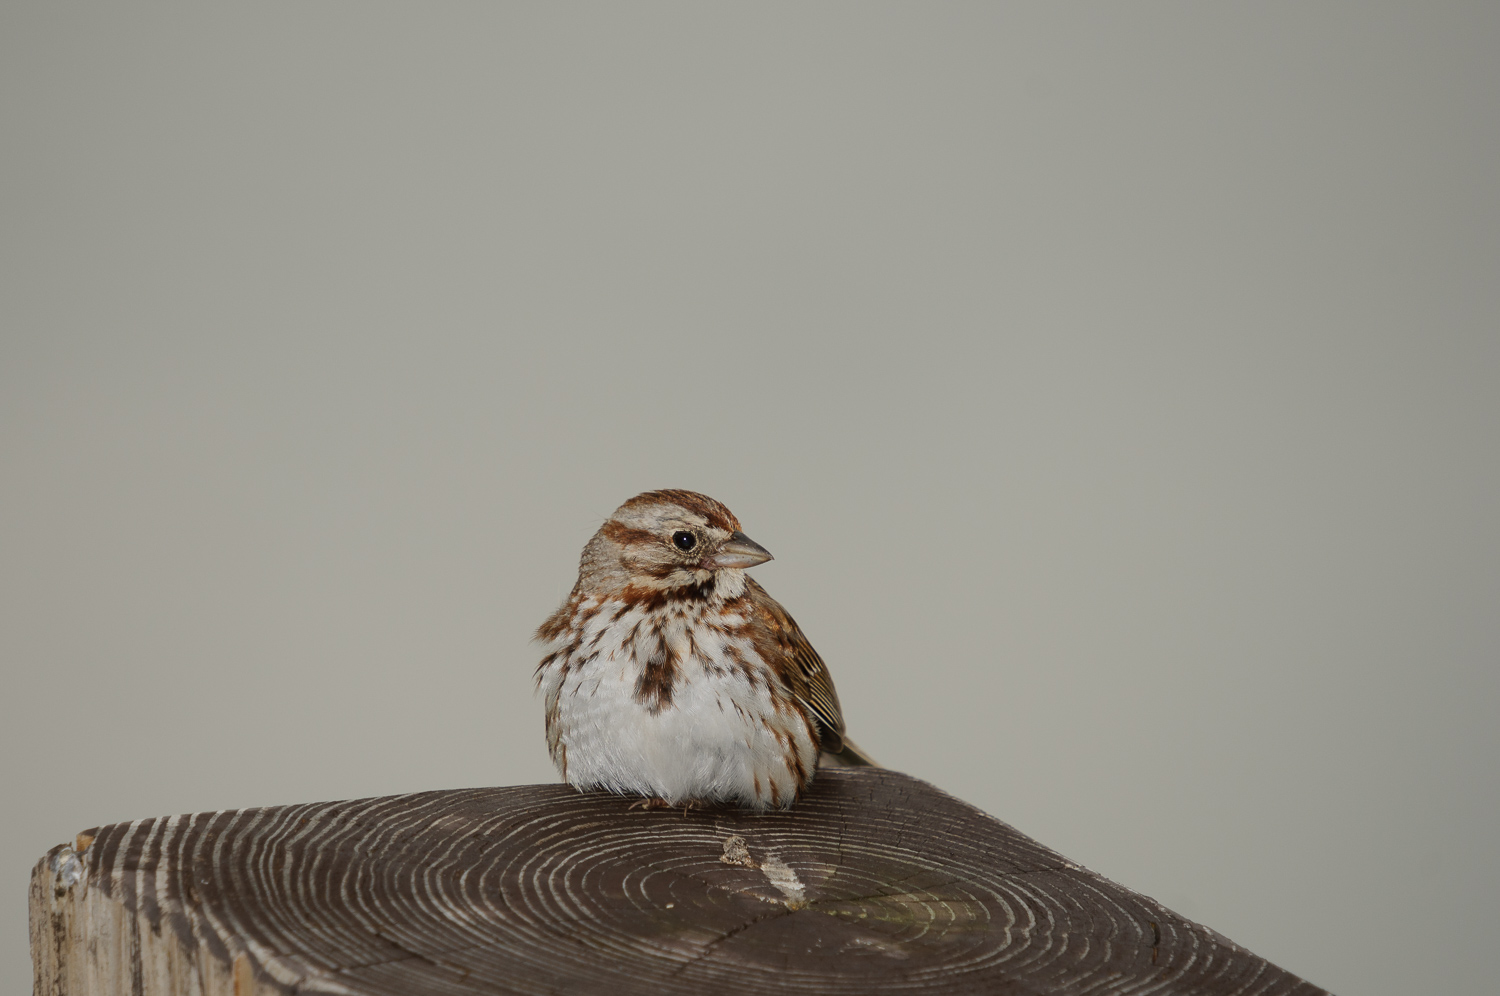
(806, 675)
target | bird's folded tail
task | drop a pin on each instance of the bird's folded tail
(852, 756)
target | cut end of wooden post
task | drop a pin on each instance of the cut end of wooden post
(874, 882)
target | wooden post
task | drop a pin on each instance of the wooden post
(875, 882)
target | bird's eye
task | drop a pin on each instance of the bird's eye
(684, 540)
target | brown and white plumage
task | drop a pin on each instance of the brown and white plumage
(672, 675)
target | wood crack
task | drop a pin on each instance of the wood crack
(707, 948)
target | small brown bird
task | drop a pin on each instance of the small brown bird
(671, 675)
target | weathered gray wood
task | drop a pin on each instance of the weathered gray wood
(876, 882)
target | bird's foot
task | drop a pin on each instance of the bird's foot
(657, 802)
(653, 802)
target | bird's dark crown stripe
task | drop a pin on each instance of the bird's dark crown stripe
(717, 515)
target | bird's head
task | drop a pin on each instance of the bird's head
(662, 541)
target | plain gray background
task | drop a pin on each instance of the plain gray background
(1118, 387)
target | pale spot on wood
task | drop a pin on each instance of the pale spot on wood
(67, 870)
(781, 875)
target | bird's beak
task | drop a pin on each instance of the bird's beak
(738, 551)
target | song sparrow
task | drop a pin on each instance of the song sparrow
(671, 675)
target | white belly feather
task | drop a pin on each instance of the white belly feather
(721, 737)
